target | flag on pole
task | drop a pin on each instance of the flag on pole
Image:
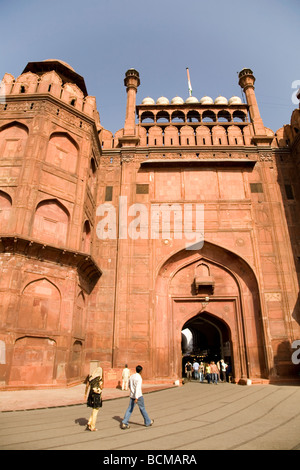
(189, 82)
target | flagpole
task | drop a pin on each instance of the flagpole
(189, 82)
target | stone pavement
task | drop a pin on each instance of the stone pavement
(49, 398)
(188, 418)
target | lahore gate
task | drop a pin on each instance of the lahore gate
(90, 275)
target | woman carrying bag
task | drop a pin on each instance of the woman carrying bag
(94, 401)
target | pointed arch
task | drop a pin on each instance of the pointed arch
(86, 237)
(40, 306)
(13, 139)
(51, 222)
(5, 211)
(62, 151)
(235, 300)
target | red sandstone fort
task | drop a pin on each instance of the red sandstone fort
(71, 299)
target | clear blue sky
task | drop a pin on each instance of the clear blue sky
(101, 39)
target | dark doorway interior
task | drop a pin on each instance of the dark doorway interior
(205, 338)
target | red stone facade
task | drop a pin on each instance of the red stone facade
(72, 296)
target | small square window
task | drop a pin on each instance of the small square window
(256, 188)
(142, 189)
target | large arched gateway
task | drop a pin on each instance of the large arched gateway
(216, 287)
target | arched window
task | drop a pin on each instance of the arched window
(239, 116)
(5, 210)
(51, 222)
(178, 116)
(147, 116)
(224, 116)
(92, 178)
(208, 116)
(162, 116)
(86, 237)
(193, 116)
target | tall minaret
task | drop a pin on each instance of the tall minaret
(246, 81)
(132, 82)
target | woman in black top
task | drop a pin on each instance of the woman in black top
(94, 401)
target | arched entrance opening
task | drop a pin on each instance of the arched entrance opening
(205, 338)
(212, 293)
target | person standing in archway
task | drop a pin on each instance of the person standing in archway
(189, 370)
(201, 372)
(222, 366)
(208, 373)
(196, 369)
(214, 372)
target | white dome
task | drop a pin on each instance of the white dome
(177, 100)
(148, 100)
(191, 99)
(221, 100)
(206, 100)
(162, 100)
(235, 100)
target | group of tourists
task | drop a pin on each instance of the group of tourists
(211, 371)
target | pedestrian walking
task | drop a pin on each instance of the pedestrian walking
(222, 366)
(94, 401)
(136, 398)
(189, 370)
(201, 372)
(125, 378)
(196, 369)
(214, 372)
(208, 373)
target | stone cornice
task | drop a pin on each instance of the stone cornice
(56, 102)
(84, 263)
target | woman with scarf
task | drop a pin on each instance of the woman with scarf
(94, 401)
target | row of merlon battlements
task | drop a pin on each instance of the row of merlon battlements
(50, 82)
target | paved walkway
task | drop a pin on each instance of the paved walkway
(192, 417)
(49, 398)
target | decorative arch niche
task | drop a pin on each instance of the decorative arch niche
(13, 139)
(33, 361)
(235, 301)
(40, 306)
(51, 222)
(62, 152)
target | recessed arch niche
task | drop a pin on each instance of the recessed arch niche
(51, 221)
(235, 301)
(62, 151)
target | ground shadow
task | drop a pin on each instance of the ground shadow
(81, 421)
(119, 419)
